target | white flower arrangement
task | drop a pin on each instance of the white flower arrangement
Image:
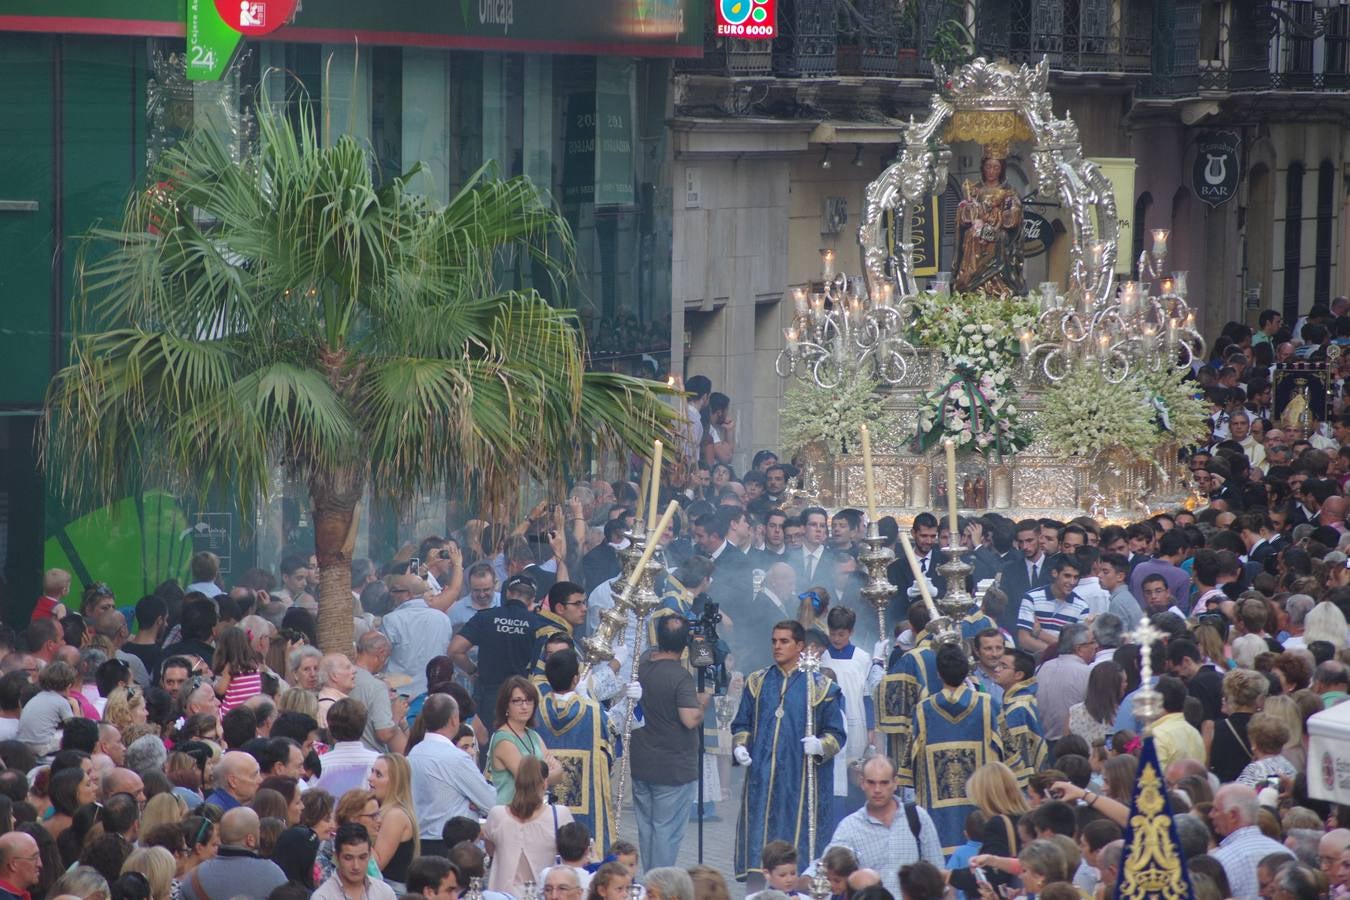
(1085, 414)
(976, 334)
(833, 415)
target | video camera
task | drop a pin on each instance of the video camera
(707, 653)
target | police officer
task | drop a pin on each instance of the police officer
(505, 638)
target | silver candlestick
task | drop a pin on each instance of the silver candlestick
(878, 591)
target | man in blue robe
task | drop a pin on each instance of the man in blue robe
(573, 728)
(769, 735)
(909, 679)
(956, 730)
(1024, 747)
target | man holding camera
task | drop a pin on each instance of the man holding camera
(665, 762)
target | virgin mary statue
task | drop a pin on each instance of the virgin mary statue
(989, 232)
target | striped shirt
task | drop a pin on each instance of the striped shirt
(242, 686)
(1239, 854)
(886, 848)
(1039, 605)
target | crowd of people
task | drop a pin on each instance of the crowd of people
(196, 743)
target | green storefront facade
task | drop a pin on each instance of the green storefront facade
(572, 93)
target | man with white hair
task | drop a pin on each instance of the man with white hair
(1297, 608)
(669, 883)
(386, 718)
(237, 780)
(561, 883)
(1330, 850)
(1241, 844)
(199, 698)
(146, 754)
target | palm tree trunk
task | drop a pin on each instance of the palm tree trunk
(334, 496)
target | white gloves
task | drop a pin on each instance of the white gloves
(741, 755)
(882, 650)
(812, 746)
(633, 691)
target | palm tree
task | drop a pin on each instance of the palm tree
(286, 311)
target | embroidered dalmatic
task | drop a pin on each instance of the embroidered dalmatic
(1024, 747)
(956, 730)
(974, 623)
(909, 680)
(770, 723)
(549, 624)
(573, 729)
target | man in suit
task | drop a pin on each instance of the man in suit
(602, 564)
(813, 561)
(775, 549)
(924, 533)
(993, 538)
(1026, 569)
(731, 567)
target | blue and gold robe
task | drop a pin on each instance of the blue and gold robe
(573, 729)
(549, 624)
(1024, 747)
(676, 601)
(974, 623)
(770, 723)
(956, 730)
(910, 679)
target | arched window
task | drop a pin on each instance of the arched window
(1293, 236)
(1326, 199)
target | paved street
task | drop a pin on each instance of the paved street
(719, 838)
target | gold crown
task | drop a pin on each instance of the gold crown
(996, 150)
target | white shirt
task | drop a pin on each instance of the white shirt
(445, 781)
(209, 588)
(1098, 600)
(417, 633)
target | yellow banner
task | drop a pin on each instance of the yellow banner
(1120, 171)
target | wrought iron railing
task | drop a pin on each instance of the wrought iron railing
(890, 38)
(1249, 46)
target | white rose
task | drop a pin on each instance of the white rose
(987, 328)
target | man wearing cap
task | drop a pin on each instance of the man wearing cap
(505, 638)
(415, 630)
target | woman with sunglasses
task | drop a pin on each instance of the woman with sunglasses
(126, 707)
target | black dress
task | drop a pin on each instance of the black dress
(1230, 751)
(397, 867)
(994, 842)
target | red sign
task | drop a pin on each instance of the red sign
(755, 20)
(254, 18)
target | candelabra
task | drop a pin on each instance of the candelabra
(842, 329)
(956, 600)
(876, 559)
(1147, 700)
(1132, 331)
(642, 601)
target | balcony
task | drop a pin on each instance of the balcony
(890, 38)
(1248, 46)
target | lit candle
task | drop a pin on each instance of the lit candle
(1180, 280)
(918, 580)
(867, 475)
(653, 541)
(827, 265)
(817, 305)
(655, 500)
(1024, 336)
(1167, 285)
(790, 339)
(1096, 254)
(1160, 242)
(799, 300)
(887, 294)
(950, 446)
(1129, 297)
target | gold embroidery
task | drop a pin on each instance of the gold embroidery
(1153, 866)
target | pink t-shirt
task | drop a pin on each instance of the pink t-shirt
(242, 687)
